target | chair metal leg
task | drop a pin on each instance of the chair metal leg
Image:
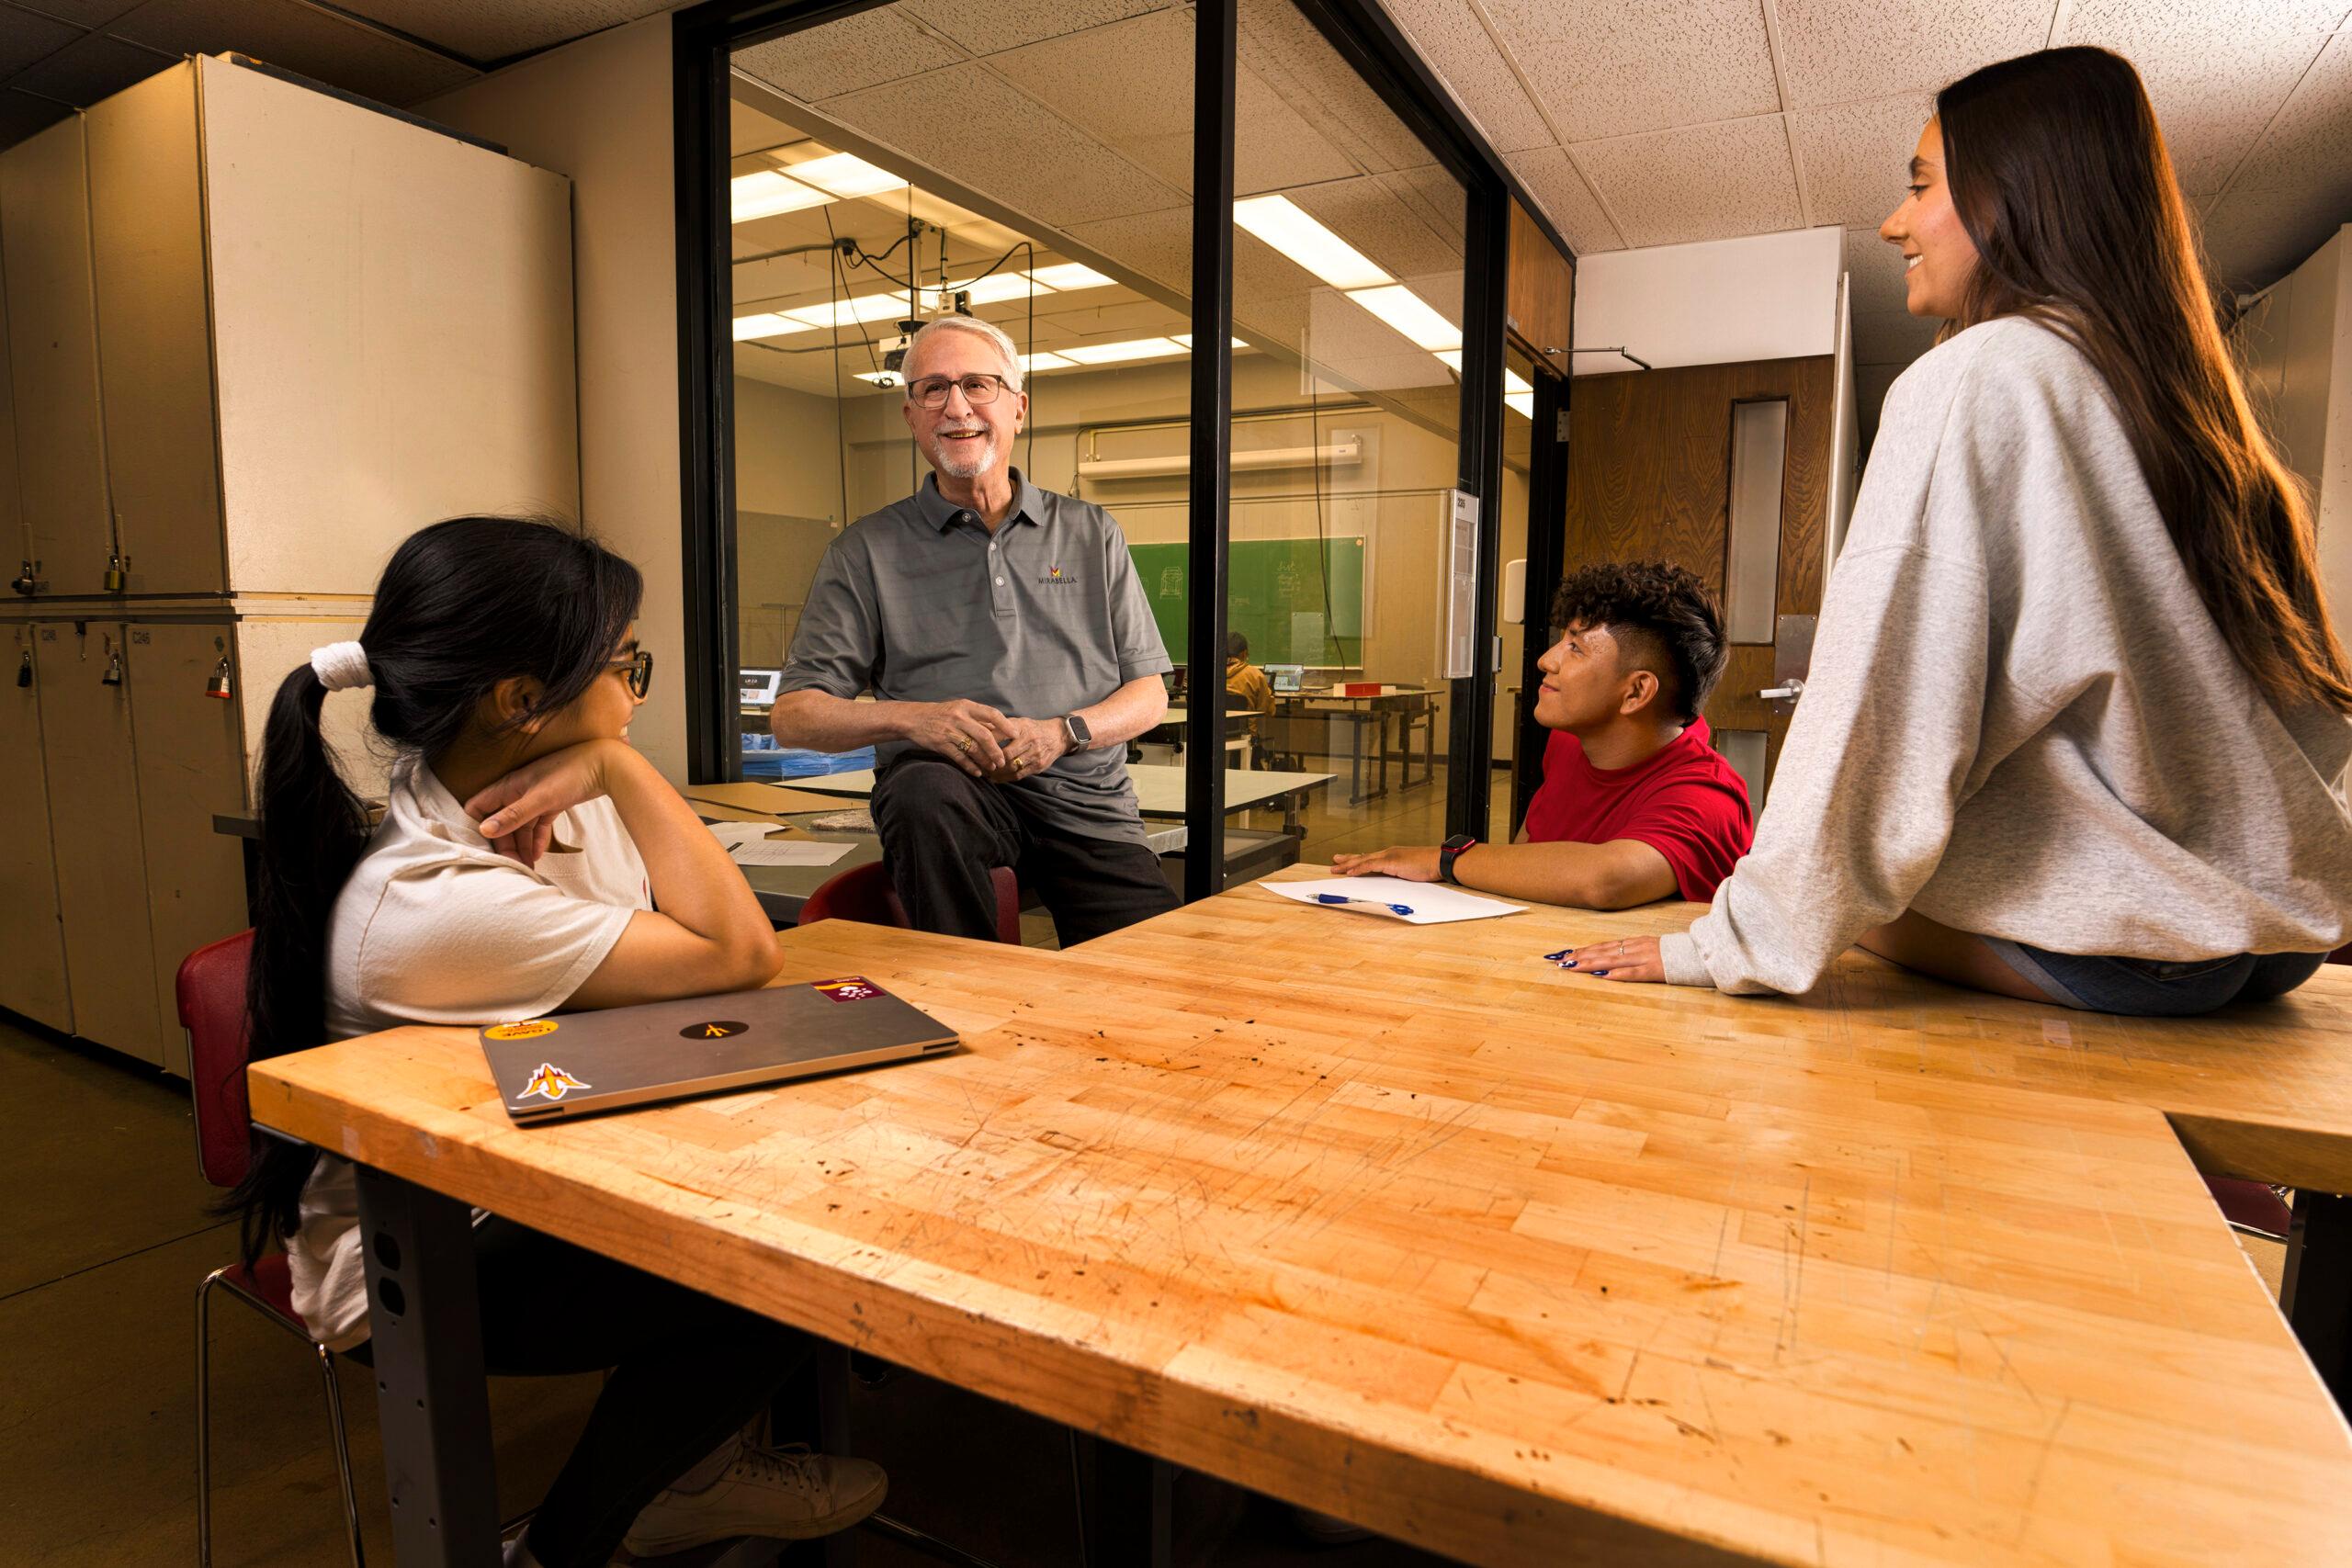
(341, 1452)
(204, 1418)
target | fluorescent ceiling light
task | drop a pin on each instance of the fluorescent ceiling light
(1070, 275)
(879, 377)
(765, 194)
(1523, 404)
(865, 308)
(1512, 381)
(839, 174)
(1282, 225)
(1515, 383)
(994, 289)
(1410, 314)
(1044, 362)
(1186, 339)
(767, 324)
(1117, 353)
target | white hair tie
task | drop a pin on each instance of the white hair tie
(341, 665)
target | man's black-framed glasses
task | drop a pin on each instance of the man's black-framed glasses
(979, 389)
(637, 673)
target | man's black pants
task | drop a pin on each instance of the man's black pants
(943, 832)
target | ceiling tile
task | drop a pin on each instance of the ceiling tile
(80, 13)
(1431, 191)
(2130, 27)
(490, 32)
(1894, 337)
(1282, 47)
(1157, 245)
(1369, 216)
(1671, 187)
(1603, 68)
(1146, 116)
(1552, 178)
(297, 38)
(21, 114)
(1035, 162)
(25, 38)
(97, 67)
(846, 56)
(1450, 36)
(1876, 269)
(1834, 51)
(2215, 73)
(1009, 24)
(1856, 155)
(2256, 237)
(2311, 144)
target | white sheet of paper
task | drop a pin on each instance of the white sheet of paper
(732, 834)
(1432, 903)
(788, 851)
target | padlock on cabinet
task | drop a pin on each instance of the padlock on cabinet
(118, 573)
(25, 671)
(113, 677)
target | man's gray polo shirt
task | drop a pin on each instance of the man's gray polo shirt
(918, 602)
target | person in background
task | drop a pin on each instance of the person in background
(516, 872)
(1011, 655)
(1245, 680)
(1636, 803)
(2076, 729)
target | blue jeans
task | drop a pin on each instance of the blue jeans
(2154, 987)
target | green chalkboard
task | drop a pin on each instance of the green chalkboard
(1297, 601)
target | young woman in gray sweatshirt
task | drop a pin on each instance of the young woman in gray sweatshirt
(2078, 728)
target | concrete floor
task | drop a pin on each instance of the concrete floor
(107, 1234)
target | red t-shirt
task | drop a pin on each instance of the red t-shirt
(1686, 803)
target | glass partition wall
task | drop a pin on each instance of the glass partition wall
(886, 164)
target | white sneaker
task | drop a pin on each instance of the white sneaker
(780, 1495)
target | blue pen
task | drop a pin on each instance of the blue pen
(1375, 903)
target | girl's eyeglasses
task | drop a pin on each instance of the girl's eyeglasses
(637, 673)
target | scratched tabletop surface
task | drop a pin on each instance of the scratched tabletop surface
(1403, 1223)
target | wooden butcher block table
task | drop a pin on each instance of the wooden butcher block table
(1403, 1223)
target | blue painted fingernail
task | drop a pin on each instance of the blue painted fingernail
(1564, 952)
(1597, 971)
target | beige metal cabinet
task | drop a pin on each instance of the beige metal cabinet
(32, 937)
(154, 335)
(13, 543)
(53, 357)
(392, 320)
(189, 769)
(91, 772)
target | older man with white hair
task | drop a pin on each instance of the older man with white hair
(1011, 655)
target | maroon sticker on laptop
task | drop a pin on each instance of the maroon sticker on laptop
(855, 989)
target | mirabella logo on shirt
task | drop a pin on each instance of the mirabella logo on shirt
(1058, 578)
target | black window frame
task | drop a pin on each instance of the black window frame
(705, 37)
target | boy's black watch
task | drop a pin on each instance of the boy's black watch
(1445, 853)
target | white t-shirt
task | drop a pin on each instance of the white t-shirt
(435, 925)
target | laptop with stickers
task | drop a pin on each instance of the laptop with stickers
(578, 1063)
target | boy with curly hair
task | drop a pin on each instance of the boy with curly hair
(1637, 805)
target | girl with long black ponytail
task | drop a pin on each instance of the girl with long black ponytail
(522, 852)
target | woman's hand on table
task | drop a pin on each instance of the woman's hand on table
(1634, 958)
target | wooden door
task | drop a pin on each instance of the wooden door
(190, 767)
(92, 776)
(1650, 460)
(155, 336)
(32, 940)
(53, 357)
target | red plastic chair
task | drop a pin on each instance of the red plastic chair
(864, 893)
(212, 992)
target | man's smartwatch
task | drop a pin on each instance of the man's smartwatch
(1447, 850)
(1081, 738)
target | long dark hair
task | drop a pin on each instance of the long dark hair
(463, 605)
(2061, 177)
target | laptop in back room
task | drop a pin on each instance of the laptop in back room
(581, 1062)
